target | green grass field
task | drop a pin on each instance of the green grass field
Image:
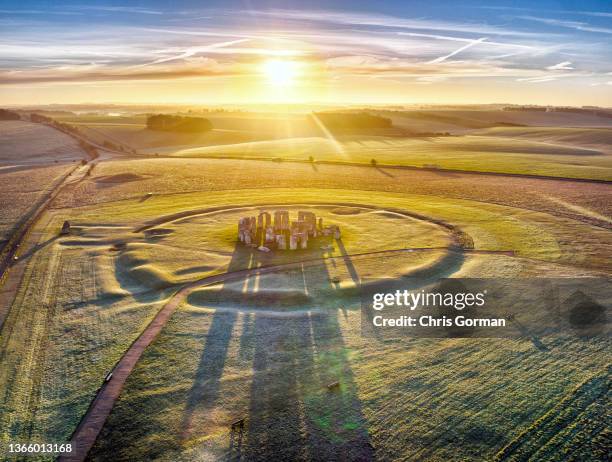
(83, 329)
(75, 334)
(550, 151)
(492, 227)
(264, 347)
(473, 153)
(411, 397)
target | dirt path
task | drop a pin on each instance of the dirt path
(24, 240)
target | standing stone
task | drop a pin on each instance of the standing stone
(65, 228)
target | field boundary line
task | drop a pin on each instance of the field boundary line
(396, 167)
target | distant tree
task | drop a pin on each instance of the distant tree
(373, 163)
(347, 121)
(310, 159)
(39, 118)
(5, 114)
(172, 123)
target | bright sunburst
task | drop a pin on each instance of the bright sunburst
(280, 72)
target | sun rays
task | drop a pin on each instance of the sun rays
(281, 72)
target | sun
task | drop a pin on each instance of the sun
(280, 72)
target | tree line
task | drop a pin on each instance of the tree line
(352, 120)
(5, 114)
(174, 123)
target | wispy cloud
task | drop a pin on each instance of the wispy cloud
(467, 40)
(551, 77)
(71, 10)
(339, 44)
(119, 9)
(115, 75)
(46, 12)
(599, 14)
(385, 21)
(565, 65)
(576, 25)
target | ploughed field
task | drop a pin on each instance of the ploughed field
(264, 346)
(22, 188)
(25, 143)
(33, 160)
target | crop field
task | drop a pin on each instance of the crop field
(476, 153)
(22, 188)
(594, 138)
(539, 149)
(25, 142)
(133, 179)
(33, 160)
(228, 129)
(265, 339)
(480, 118)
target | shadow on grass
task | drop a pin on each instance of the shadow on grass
(384, 172)
(35, 249)
(303, 402)
(296, 412)
(205, 389)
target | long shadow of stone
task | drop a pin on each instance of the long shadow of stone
(304, 403)
(205, 389)
(38, 247)
(275, 422)
(384, 172)
(348, 262)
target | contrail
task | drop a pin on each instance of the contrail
(194, 50)
(458, 50)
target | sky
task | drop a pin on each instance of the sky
(306, 52)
